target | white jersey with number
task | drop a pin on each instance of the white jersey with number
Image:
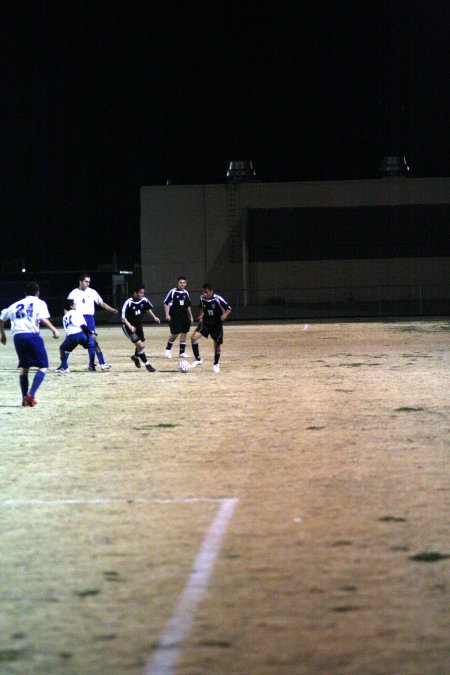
(85, 301)
(72, 322)
(25, 314)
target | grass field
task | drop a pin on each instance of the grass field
(286, 516)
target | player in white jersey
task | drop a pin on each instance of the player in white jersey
(86, 300)
(25, 316)
(77, 333)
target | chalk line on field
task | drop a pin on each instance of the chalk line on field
(167, 651)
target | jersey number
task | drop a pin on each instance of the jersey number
(22, 312)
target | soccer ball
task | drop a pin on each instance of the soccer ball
(183, 367)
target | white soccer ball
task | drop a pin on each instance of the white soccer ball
(183, 366)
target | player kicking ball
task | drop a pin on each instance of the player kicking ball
(214, 310)
(133, 311)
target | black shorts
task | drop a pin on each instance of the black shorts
(179, 324)
(214, 330)
(136, 336)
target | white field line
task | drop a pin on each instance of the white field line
(167, 651)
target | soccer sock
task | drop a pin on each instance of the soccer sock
(64, 361)
(23, 379)
(101, 358)
(182, 347)
(216, 358)
(169, 345)
(143, 357)
(196, 350)
(37, 381)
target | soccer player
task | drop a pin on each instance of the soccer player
(214, 310)
(86, 300)
(25, 316)
(133, 311)
(77, 333)
(177, 307)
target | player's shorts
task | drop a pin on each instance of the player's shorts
(215, 331)
(136, 336)
(76, 339)
(30, 350)
(179, 324)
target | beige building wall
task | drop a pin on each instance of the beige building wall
(199, 231)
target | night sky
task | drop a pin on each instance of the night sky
(101, 97)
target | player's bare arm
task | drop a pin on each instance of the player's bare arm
(156, 318)
(2, 333)
(49, 324)
(225, 314)
(166, 312)
(104, 305)
(128, 325)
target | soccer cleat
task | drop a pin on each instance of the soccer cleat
(168, 354)
(62, 371)
(137, 361)
(105, 366)
(195, 363)
(29, 401)
(93, 369)
(216, 368)
(185, 356)
(150, 368)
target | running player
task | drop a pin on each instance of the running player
(86, 300)
(133, 311)
(177, 307)
(77, 333)
(214, 310)
(25, 316)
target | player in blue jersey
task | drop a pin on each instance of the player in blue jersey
(133, 311)
(25, 317)
(86, 300)
(177, 307)
(77, 333)
(214, 310)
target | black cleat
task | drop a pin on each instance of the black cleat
(150, 368)
(137, 361)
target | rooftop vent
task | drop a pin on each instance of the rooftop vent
(241, 172)
(394, 165)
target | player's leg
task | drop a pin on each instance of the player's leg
(182, 353)
(23, 381)
(216, 366)
(37, 381)
(169, 345)
(64, 350)
(196, 335)
(31, 351)
(217, 336)
(140, 350)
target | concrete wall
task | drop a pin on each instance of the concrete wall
(199, 230)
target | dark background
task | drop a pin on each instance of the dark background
(101, 97)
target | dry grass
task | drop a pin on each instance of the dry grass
(335, 441)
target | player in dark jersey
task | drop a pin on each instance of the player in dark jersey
(133, 311)
(177, 306)
(214, 310)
